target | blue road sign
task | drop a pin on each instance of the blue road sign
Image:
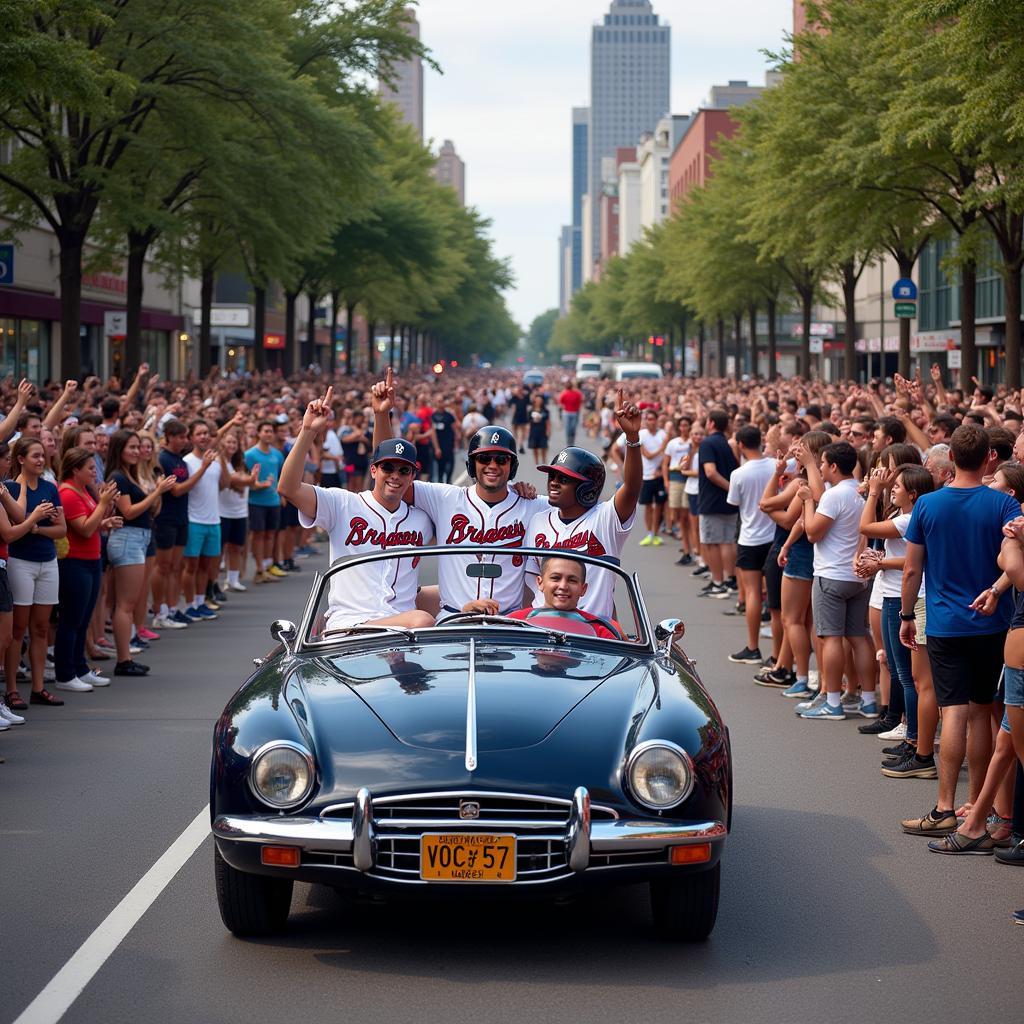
(904, 289)
(7, 263)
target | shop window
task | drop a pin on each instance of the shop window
(25, 349)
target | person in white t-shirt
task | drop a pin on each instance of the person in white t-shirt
(579, 521)
(757, 531)
(202, 549)
(332, 456)
(676, 460)
(382, 592)
(839, 597)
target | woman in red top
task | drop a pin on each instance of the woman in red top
(80, 572)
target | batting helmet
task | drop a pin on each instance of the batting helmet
(492, 439)
(579, 464)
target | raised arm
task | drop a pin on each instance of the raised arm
(290, 484)
(382, 400)
(10, 422)
(55, 414)
(626, 497)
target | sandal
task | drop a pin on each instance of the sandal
(1000, 829)
(956, 843)
(14, 702)
(45, 697)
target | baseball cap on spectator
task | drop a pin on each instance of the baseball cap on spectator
(396, 449)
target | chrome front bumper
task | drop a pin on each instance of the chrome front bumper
(358, 837)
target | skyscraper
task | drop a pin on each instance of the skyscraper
(629, 85)
(580, 133)
(407, 92)
(450, 170)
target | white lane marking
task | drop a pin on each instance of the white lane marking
(67, 984)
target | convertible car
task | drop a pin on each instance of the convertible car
(487, 754)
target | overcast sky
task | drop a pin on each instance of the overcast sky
(513, 70)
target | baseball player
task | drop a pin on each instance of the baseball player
(579, 521)
(384, 592)
(489, 512)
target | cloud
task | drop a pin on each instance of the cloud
(512, 73)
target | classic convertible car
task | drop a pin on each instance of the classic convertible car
(486, 754)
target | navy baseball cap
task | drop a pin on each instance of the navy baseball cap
(396, 449)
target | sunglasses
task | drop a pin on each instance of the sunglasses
(560, 478)
(498, 460)
(402, 469)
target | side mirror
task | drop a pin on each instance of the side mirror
(667, 632)
(284, 632)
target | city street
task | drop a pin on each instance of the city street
(827, 909)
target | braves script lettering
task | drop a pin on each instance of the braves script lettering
(585, 542)
(462, 530)
(360, 532)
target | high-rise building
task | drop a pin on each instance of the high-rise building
(565, 257)
(653, 156)
(629, 85)
(450, 170)
(407, 91)
(580, 133)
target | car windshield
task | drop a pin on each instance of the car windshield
(463, 587)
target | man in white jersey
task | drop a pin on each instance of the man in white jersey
(579, 521)
(489, 512)
(383, 592)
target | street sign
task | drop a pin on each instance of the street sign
(953, 359)
(7, 263)
(115, 324)
(906, 310)
(817, 346)
(904, 288)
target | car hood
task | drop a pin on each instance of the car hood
(420, 694)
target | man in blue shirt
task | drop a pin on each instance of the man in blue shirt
(265, 504)
(719, 521)
(955, 535)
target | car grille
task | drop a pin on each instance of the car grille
(538, 823)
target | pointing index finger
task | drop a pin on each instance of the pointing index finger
(388, 378)
(329, 397)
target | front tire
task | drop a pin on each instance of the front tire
(250, 905)
(684, 909)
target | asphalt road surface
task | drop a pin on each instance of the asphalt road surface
(828, 912)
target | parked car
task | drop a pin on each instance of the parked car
(533, 378)
(635, 371)
(588, 368)
(491, 752)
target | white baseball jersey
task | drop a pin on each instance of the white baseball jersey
(597, 532)
(461, 516)
(358, 524)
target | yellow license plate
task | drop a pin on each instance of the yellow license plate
(467, 857)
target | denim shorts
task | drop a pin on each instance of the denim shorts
(127, 546)
(800, 562)
(1013, 682)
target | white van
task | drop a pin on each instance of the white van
(588, 367)
(636, 371)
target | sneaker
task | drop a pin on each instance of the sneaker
(207, 612)
(240, 588)
(259, 577)
(732, 585)
(765, 633)
(960, 845)
(746, 657)
(218, 595)
(850, 702)
(901, 750)
(771, 677)
(898, 732)
(715, 590)
(106, 643)
(166, 622)
(814, 679)
(647, 541)
(684, 560)
(657, 541)
(1018, 917)
(723, 593)
(194, 615)
(74, 685)
(701, 570)
(130, 668)
(277, 573)
(93, 677)
(799, 690)
(879, 725)
(811, 705)
(179, 616)
(912, 767)
(148, 635)
(49, 673)
(825, 712)
(4, 724)
(211, 603)
(9, 716)
(137, 646)
(1014, 853)
(866, 709)
(934, 823)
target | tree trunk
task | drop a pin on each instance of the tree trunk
(968, 328)
(391, 350)
(205, 334)
(259, 327)
(138, 245)
(309, 356)
(291, 355)
(71, 244)
(850, 320)
(806, 301)
(371, 347)
(682, 347)
(773, 340)
(1011, 285)
(737, 330)
(332, 359)
(752, 316)
(350, 330)
(720, 329)
(701, 339)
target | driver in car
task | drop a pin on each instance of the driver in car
(383, 592)
(562, 583)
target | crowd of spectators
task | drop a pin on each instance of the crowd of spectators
(874, 530)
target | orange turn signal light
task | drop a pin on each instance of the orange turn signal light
(699, 853)
(280, 856)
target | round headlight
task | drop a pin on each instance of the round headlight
(660, 774)
(281, 774)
